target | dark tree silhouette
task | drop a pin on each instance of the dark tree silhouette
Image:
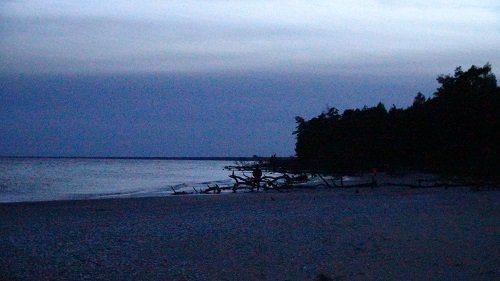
(419, 100)
(456, 130)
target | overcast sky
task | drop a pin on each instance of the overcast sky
(247, 64)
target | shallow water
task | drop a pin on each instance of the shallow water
(47, 179)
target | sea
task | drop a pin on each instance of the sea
(50, 179)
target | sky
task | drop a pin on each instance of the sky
(217, 77)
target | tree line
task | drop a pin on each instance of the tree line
(455, 130)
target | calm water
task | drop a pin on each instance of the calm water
(29, 179)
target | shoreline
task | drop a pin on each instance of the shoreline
(413, 182)
(383, 233)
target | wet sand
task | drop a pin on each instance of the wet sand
(387, 233)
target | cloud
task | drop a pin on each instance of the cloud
(218, 36)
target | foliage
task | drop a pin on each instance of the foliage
(457, 129)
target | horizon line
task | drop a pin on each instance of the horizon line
(240, 158)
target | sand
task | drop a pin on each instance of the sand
(384, 234)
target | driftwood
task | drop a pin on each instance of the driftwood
(243, 182)
(373, 183)
(277, 183)
(285, 181)
(215, 189)
(272, 182)
(179, 192)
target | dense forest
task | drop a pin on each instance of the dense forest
(455, 130)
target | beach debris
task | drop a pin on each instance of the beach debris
(266, 182)
(282, 181)
(370, 183)
(179, 192)
(216, 189)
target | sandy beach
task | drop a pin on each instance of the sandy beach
(387, 233)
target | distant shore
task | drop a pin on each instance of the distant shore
(385, 233)
(218, 158)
